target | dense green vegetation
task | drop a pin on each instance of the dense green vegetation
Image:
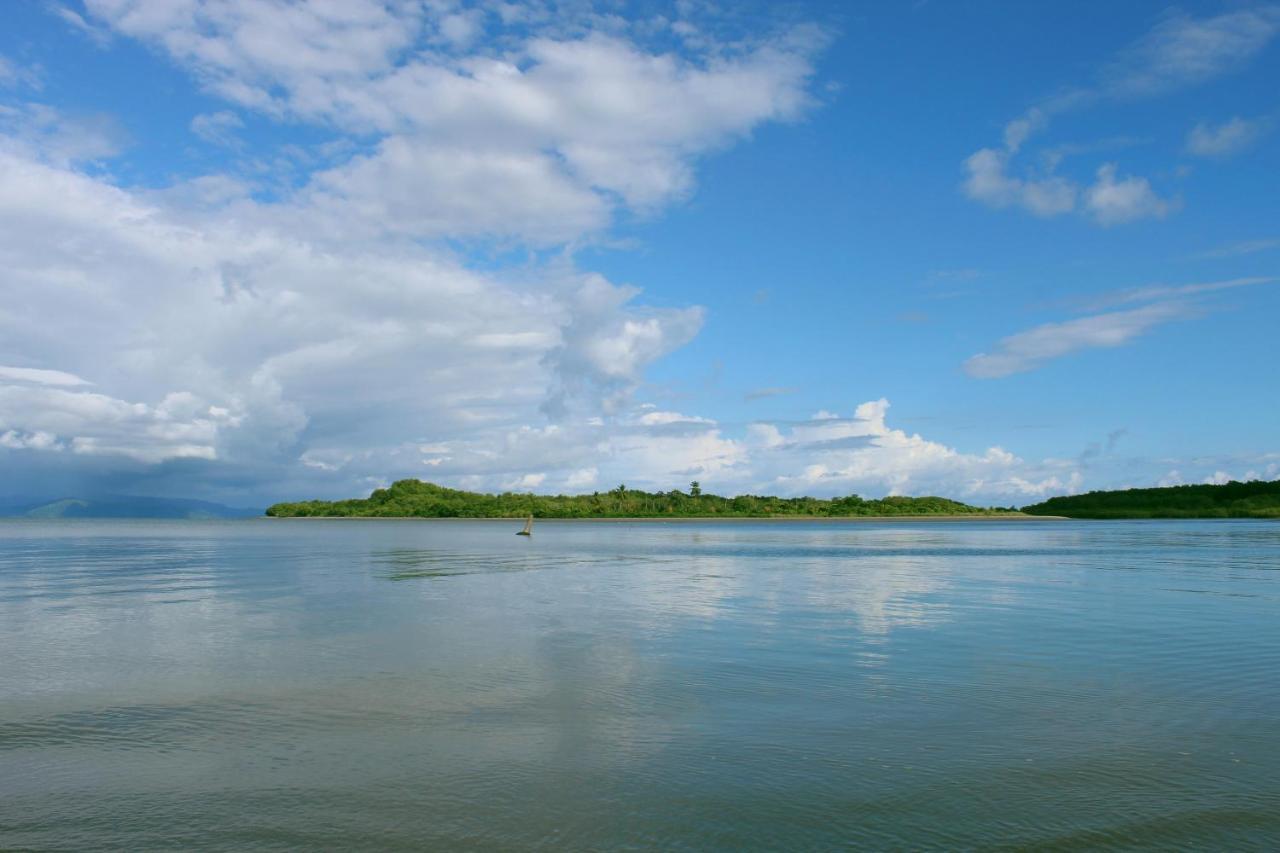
(1255, 499)
(414, 498)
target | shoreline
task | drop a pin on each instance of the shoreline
(657, 519)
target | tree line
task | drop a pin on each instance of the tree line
(414, 498)
(1254, 499)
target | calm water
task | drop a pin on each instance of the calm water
(396, 684)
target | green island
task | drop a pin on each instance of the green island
(1254, 499)
(416, 499)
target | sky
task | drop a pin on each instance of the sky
(256, 250)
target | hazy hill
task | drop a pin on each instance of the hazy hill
(128, 506)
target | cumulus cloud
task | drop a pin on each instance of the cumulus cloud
(537, 134)
(288, 344)
(335, 337)
(603, 350)
(989, 182)
(863, 453)
(1223, 469)
(325, 336)
(15, 440)
(828, 454)
(1111, 200)
(1231, 137)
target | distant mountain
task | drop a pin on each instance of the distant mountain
(129, 506)
(1255, 499)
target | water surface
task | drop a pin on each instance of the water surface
(402, 684)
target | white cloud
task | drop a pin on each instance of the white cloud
(826, 455)
(359, 344)
(1020, 129)
(1178, 51)
(583, 478)
(98, 35)
(1108, 201)
(179, 427)
(834, 455)
(657, 418)
(1182, 51)
(1246, 247)
(1111, 201)
(49, 134)
(14, 440)
(429, 190)
(604, 349)
(39, 376)
(1225, 139)
(989, 182)
(242, 49)
(764, 393)
(14, 75)
(538, 135)
(1032, 348)
(335, 334)
(334, 338)
(1160, 291)
(218, 128)
(525, 482)
(1217, 470)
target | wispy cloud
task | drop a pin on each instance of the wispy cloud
(40, 376)
(98, 35)
(1182, 51)
(218, 128)
(1177, 52)
(1247, 247)
(12, 74)
(762, 393)
(1157, 292)
(1033, 348)
(53, 136)
(1231, 137)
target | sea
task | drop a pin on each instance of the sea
(447, 685)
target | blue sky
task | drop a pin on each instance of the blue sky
(257, 250)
